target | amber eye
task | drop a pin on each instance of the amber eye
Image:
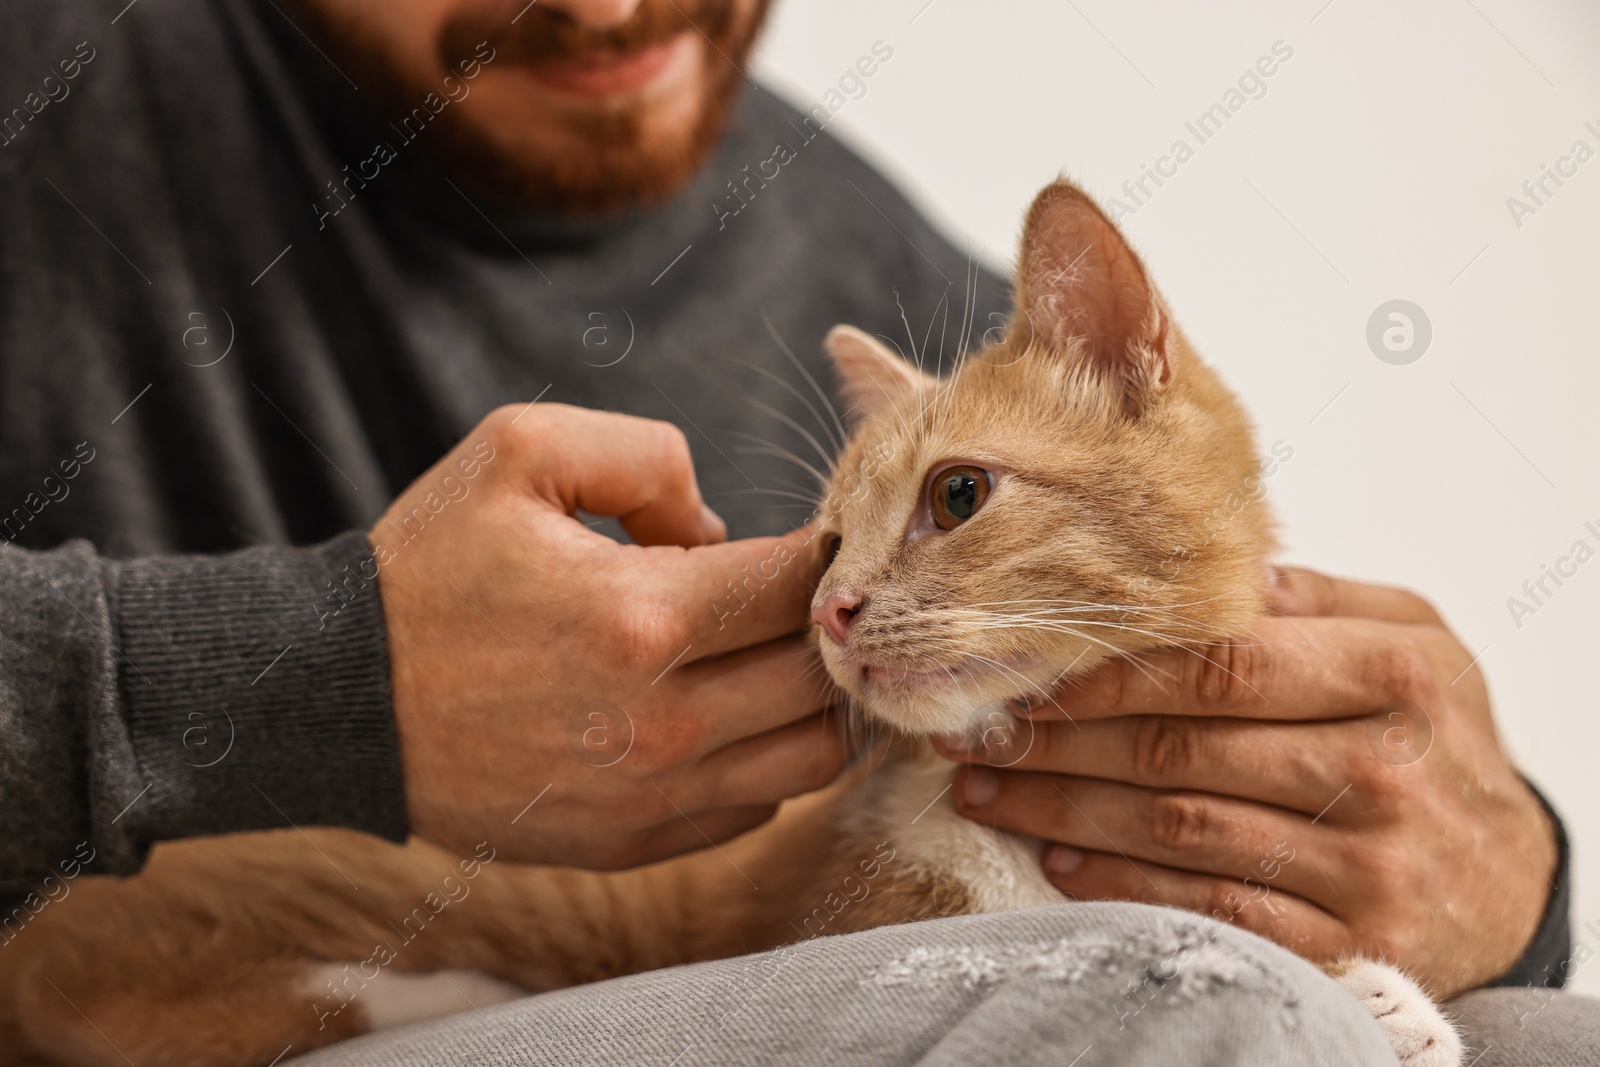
(957, 494)
(830, 549)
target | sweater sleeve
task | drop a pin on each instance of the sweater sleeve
(182, 695)
(1546, 961)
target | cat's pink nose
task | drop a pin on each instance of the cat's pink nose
(835, 613)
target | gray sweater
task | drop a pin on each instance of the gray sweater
(215, 373)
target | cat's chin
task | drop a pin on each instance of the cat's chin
(966, 698)
(931, 703)
(950, 717)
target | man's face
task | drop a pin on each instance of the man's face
(585, 105)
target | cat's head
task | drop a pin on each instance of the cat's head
(1085, 487)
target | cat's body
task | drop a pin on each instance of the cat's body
(1079, 491)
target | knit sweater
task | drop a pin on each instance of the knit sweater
(220, 360)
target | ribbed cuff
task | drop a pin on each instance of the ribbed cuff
(256, 689)
(1546, 960)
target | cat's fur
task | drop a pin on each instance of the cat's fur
(1121, 520)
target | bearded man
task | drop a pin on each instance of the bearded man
(269, 263)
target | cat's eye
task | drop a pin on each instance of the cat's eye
(956, 495)
(830, 549)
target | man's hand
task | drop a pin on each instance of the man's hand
(1335, 784)
(650, 698)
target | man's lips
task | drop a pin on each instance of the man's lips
(603, 74)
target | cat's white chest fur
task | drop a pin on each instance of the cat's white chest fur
(909, 804)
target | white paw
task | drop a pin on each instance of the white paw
(394, 998)
(1417, 1030)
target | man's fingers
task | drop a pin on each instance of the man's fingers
(1298, 591)
(742, 593)
(753, 690)
(1257, 906)
(1297, 766)
(1198, 832)
(1287, 669)
(638, 470)
(782, 763)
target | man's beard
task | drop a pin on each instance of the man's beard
(618, 166)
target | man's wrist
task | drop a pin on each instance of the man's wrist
(1546, 960)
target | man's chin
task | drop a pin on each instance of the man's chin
(577, 148)
(594, 165)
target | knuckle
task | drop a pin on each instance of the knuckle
(1384, 865)
(517, 430)
(1164, 749)
(1313, 592)
(672, 446)
(1421, 606)
(1223, 901)
(646, 631)
(665, 740)
(1228, 675)
(1110, 684)
(1179, 822)
(1406, 673)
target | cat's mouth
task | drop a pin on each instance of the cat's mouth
(887, 676)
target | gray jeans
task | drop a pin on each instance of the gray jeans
(1074, 984)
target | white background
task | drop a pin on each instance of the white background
(1377, 166)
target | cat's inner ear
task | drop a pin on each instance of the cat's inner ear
(1081, 289)
(872, 377)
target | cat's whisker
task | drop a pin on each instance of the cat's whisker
(827, 430)
(1136, 607)
(969, 302)
(767, 448)
(1079, 615)
(1024, 679)
(801, 367)
(911, 338)
(1059, 625)
(943, 302)
(809, 500)
(827, 457)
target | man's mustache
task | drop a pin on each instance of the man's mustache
(540, 34)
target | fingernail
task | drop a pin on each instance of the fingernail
(715, 529)
(980, 786)
(1280, 591)
(956, 744)
(1062, 859)
(1026, 706)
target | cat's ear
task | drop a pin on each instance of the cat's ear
(871, 376)
(1082, 291)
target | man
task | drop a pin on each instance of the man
(265, 265)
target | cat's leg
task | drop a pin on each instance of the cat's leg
(1416, 1027)
(239, 1016)
(396, 998)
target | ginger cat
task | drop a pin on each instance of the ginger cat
(1054, 503)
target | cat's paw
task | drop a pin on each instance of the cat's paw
(1415, 1026)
